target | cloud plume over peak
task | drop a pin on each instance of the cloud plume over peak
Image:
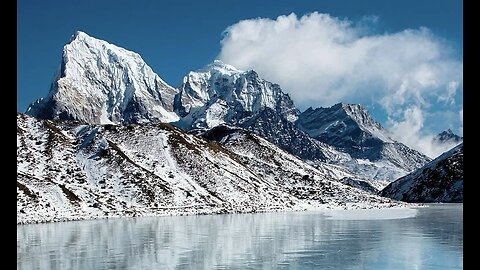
(409, 131)
(321, 60)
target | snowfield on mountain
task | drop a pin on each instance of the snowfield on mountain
(69, 171)
(101, 83)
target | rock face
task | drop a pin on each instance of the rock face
(439, 181)
(67, 170)
(448, 137)
(351, 129)
(221, 94)
(364, 185)
(101, 83)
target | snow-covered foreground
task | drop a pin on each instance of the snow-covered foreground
(70, 171)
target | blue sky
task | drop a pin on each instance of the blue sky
(174, 37)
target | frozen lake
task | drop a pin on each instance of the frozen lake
(424, 238)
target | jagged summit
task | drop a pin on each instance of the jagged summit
(366, 122)
(102, 83)
(80, 35)
(447, 136)
(220, 93)
(351, 129)
(350, 121)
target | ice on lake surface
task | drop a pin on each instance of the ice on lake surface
(430, 238)
(371, 214)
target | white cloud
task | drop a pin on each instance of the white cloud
(321, 60)
(449, 96)
(409, 131)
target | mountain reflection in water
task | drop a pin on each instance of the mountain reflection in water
(433, 239)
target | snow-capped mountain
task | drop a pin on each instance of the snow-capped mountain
(348, 127)
(351, 129)
(101, 83)
(438, 181)
(221, 94)
(344, 135)
(448, 137)
(68, 170)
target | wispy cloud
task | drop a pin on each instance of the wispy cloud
(320, 60)
(449, 96)
(409, 131)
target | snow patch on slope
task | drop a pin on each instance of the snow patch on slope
(157, 169)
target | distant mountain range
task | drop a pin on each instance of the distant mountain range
(101, 89)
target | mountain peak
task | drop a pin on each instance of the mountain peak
(218, 66)
(221, 64)
(79, 35)
(344, 125)
(348, 107)
(101, 83)
(345, 115)
(447, 136)
(80, 40)
(352, 107)
(220, 93)
(360, 114)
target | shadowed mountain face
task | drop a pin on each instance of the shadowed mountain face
(351, 129)
(439, 181)
(348, 127)
(448, 136)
